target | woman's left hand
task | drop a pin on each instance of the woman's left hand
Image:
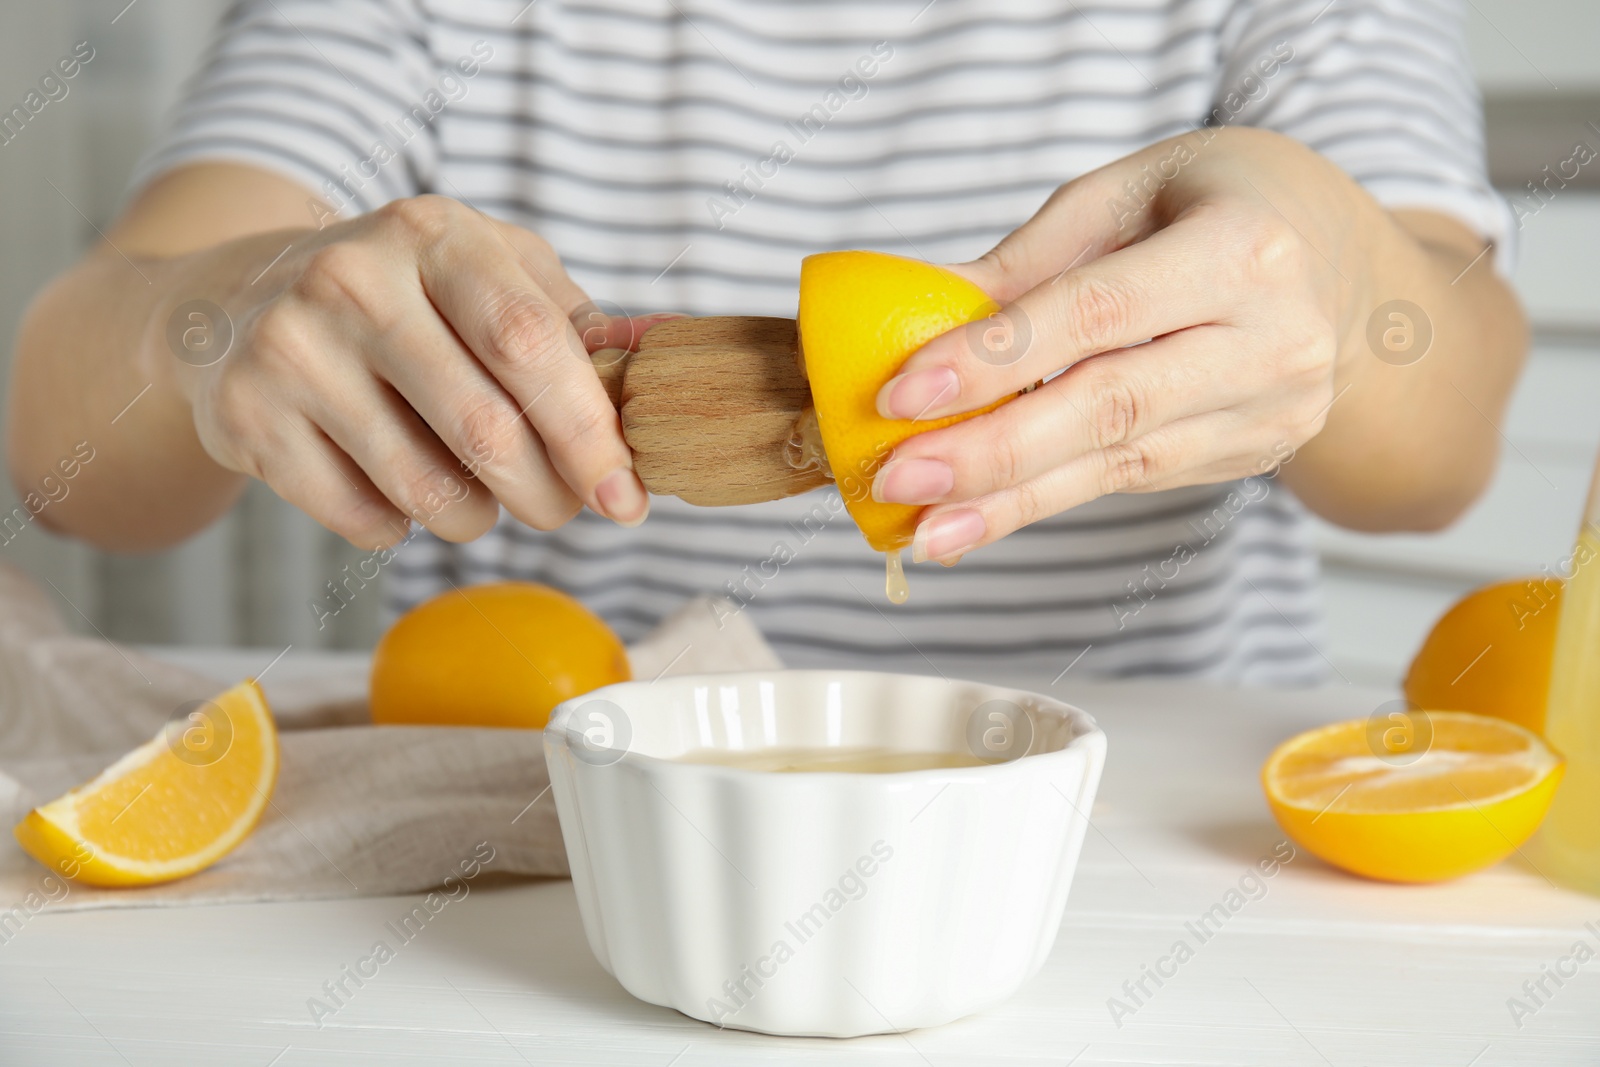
(1235, 261)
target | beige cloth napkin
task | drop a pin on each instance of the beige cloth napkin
(358, 809)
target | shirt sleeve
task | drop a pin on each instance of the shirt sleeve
(335, 94)
(1382, 88)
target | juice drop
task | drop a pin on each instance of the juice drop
(894, 582)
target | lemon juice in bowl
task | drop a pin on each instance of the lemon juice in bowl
(1568, 844)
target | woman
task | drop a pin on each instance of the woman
(363, 266)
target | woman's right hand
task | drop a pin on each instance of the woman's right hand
(381, 366)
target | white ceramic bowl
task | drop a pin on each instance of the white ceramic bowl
(821, 903)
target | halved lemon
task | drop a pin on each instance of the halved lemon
(1424, 797)
(171, 807)
(861, 315)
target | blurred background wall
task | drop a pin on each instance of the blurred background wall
(1538, 62)
(248, 580)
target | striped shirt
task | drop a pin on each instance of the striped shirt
(684, 155)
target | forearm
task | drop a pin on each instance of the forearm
(1411, 438)
(94, 376)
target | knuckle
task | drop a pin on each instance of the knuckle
(1002, 259)
(361, 521)
(1321, 352)
(1005, 461)
(1114, 410)
(236, 442)
(1272, 249)
(580, 429)
(487, 428)
(279, 343)
(1097, 315)
(344, 275)
(278, 332)
(521, 330)
(538, 245)
(230, 390)
(426, 219)
(233, 403)
(1126, 465)
(1030, 504)
(426, 493)
(333, 269)
(1305, 362)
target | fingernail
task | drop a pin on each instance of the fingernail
(946, 535)
(913, 481)
(912, 396)
(622, 498)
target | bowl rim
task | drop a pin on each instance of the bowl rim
(1088, 727)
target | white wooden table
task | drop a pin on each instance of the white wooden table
(1321, 969)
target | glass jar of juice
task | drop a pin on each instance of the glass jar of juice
(1567, 848)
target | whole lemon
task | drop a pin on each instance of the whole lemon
(1491, 653)
(503, 654)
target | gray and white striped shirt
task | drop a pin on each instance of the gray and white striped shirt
(685, 154)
